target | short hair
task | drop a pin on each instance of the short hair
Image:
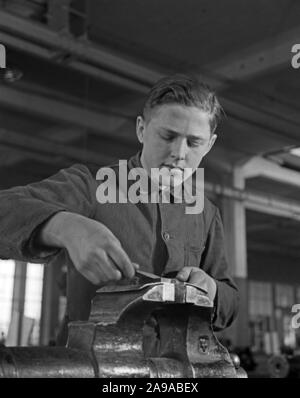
(185, 90)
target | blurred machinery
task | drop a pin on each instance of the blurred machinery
(284, 366)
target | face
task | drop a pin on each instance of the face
(175, 137)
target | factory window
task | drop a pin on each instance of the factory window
(7, 271)
(24, 313)
(260, 297)
(33, 300)
(284, 299)
(284, 295)
(261, 313)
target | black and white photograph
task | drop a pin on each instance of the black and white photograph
(149, 191)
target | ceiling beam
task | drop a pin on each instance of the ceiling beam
(277, 125)
(57, 110)
(80, 49)
(260, 167)
(262, 57)
(46, 148)
(269, 204)
(51, 55)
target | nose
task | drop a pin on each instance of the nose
(179, 149)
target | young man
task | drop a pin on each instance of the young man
(60, 218)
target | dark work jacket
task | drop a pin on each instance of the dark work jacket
(161, 237)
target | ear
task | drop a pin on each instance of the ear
(211, 143)
(140, 128)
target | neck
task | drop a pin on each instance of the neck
(143, 163)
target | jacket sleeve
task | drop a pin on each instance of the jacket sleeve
(24, 209)
(216, 265)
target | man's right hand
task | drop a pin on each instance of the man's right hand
(94, 250)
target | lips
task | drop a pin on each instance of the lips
(173, 167)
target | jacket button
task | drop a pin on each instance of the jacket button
(166, 236)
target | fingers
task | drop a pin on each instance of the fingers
(101, 269)
(184, 274)
(195, 276)
(199, 279)
(97, 254)
(110, 271)
(121, 260)
(109, 264)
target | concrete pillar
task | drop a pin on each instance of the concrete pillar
(49, 318)
(234, 219)
(18, 301)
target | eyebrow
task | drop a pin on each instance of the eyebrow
(193, 137)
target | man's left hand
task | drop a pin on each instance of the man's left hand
(198, 277)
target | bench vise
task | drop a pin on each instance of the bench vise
(151, 328)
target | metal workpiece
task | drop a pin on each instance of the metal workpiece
(150, 328)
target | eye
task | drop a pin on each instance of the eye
(193, 143)
(167, 137)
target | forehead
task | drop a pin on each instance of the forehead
(180, 118)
